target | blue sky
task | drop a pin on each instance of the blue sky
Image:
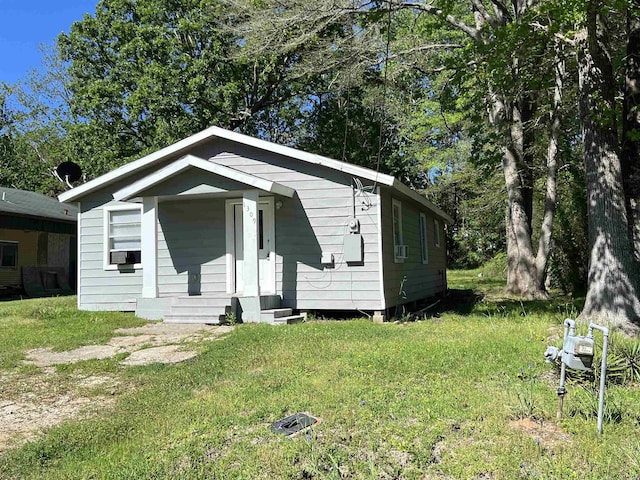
(25, 24)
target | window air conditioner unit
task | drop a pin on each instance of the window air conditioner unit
(124, 258)
(401, 251)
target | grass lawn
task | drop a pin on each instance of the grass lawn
(464, 393)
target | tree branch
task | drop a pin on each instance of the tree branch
(473, 32)
(488, 18)
(558, 35)
(501, 11)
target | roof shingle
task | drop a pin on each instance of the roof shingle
(32, 204)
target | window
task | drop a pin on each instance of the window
(424, 246)
(9, 254)
(399, 249)
(436, 233)
(123, 236)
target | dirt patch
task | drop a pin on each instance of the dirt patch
(45, 357)
(30, 403)
(133, 340)
(36, 402)
(164, 354)
(547, 433)
(23, 421)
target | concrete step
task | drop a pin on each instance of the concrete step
(198, 310)
(291, 319)
(201, 301)
(274, 313)
(202, 319)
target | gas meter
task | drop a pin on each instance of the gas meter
(577, 354)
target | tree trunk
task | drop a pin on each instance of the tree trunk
(630, 155)
(612, 294)
(544, 243)
(522, 275)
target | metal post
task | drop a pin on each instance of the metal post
(603, 370)
(569, 328)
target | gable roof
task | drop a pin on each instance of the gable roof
(32, 204)
(191, 161)
(216, 132)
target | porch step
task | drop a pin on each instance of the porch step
(198, 309)
(270, 315)
(291, 319)
(203, 319)
(201, 301)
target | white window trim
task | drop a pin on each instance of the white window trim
(107, 210)
(14, 267)
(398, 203)
(424, 241)
(436, 233)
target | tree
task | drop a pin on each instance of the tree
(474, 196)
(40, 119)
(146, 73)
(613, 293)
(488, 38)
(6, 141)
(630, 154)
(511, 88)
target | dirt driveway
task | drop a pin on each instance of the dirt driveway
(31, 402)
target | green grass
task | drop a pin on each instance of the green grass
(55, 323)
(431, 399)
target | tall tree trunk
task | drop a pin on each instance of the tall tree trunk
(630, 155)
(522, 276)
(612, 294)
(526, 274)
(544, 242)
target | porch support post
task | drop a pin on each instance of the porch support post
(251, 277)
(150, 247)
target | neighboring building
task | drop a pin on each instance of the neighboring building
(37, 243)
(221, 222)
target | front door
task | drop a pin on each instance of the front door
(266, 247)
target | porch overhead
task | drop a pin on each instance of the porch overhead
(216, 179)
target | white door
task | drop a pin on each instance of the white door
(266, 251)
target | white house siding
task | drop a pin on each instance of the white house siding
(191, 247)
(100, 289)
(411, 280)
(312, 223)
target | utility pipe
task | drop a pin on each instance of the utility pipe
(569, 328)
(603, 369)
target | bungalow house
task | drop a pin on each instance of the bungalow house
(37, 243)
(222, 222)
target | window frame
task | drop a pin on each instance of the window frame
(396, 203)
(107, 237)
(12, 243)
(424, 240)
(436, 233)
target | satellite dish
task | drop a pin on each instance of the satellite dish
(69, 171)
